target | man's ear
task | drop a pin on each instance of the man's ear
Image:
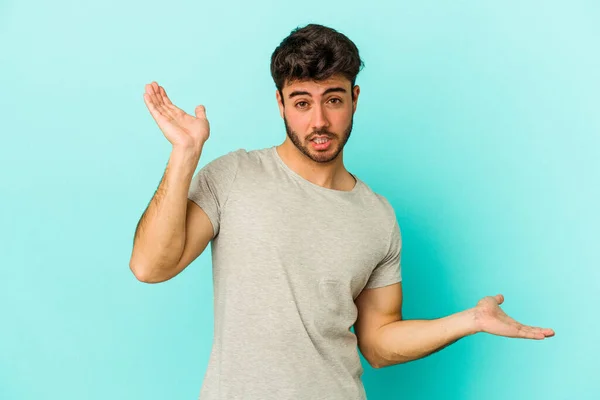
(356, 92)
(279, 102)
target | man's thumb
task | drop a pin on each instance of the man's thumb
(200, 111)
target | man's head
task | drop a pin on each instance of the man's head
(315, 70)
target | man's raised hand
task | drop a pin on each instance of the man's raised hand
(180, 128)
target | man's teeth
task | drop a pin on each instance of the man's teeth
(320, 140)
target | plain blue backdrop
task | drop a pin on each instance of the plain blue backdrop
(479, 121)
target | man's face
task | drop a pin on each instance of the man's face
(318, 116)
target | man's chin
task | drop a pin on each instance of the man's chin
(323, 156)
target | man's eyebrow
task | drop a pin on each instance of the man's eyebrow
(330, 90)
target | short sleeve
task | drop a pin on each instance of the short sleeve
(211, 185)
(388, 270)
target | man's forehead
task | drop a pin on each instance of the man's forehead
(316, 87)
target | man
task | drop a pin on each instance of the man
(302, 249)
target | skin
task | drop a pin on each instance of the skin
(309, 110)
(384, 338)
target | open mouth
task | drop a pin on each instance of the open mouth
(321, 143)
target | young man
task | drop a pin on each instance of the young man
(302, 249)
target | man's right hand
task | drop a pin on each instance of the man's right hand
(180, 128)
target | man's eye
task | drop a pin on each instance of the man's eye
(338, 100)
(300, 104)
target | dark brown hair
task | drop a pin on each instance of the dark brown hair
(314, 52)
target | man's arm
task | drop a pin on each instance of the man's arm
(173, 230)
(385, 339)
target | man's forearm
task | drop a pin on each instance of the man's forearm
(408, 340)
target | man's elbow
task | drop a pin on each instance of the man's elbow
(375, 365)
(379, 359)
(379, 363)
(144, 275)
(373, 357)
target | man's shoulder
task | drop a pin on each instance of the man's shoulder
(378, 203)
(237, 158)
(243, 154)
(386, 206)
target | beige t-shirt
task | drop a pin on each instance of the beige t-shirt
(289, 258)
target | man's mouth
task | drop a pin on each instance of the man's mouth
(321, 139)
(321, 142)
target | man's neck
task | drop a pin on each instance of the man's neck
(331, 175)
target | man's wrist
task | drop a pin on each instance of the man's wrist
(183, 162)
(187, 152)
(471, 321)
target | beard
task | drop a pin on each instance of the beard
(320, 156)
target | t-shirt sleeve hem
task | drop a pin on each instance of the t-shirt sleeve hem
(382, 283)
(212, 216)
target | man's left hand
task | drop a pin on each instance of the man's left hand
(489, 318)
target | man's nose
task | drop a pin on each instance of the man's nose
(320, 120)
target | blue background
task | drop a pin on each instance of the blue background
(479, 121)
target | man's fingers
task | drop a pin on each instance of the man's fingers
(154, 111)
(527, 332)
(156, 94)
(164, 96)
(160, 107)
(158, 110)
(200, 111)
(157, 99)
(152, 96)
(545, 331)
(534, 332)
(166, 107)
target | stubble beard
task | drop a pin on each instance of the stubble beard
(320, 156)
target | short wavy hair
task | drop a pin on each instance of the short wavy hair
(315, 52)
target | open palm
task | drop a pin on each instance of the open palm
(180, 128)
(492, 319)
